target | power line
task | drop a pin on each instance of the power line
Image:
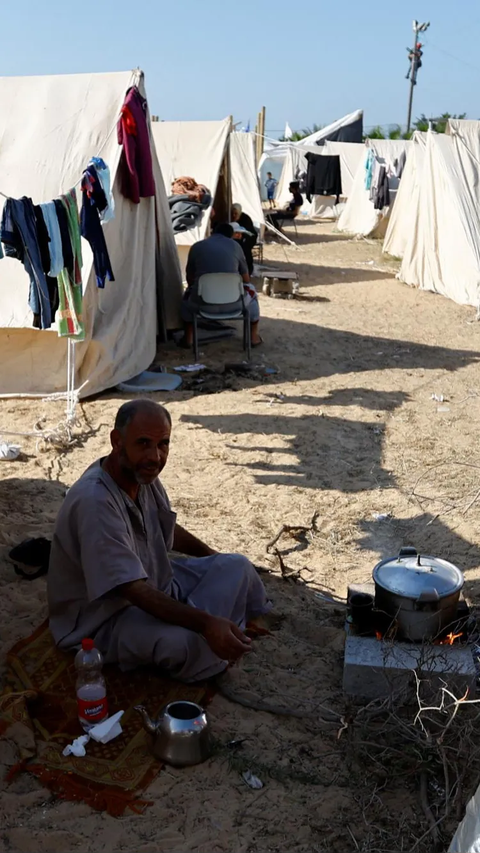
(452, 56)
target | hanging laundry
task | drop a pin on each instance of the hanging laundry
(382, 197)
(43, 243)
(369, 162)
(376, 166)
(70, 313)
(18, 233)
(136, 161)
(55, 244)
(94, 200)
(400, 164)
(103, 173)
(323, 176)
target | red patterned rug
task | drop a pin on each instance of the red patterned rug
(38, 710)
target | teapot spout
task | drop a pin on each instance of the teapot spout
(149, 725)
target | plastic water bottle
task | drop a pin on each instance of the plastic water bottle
(91, 688)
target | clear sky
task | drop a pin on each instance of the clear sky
(309, 61)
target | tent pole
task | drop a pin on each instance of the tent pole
(259, 143)
(262, 130)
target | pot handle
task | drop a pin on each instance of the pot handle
(408, 551)
(428, 595)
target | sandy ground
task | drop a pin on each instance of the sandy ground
(346, 428)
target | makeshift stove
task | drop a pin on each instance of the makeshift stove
(379, 665)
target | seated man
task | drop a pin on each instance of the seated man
(218, 253)
(246, 241)
(110, 576)
(292, 209)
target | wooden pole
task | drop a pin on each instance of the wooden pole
(259, 137)
(262, 132)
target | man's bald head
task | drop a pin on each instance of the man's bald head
(129, 411)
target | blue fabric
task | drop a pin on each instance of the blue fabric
(18, 233)
(369, 169)
(55, 245)
(103, 173)
(94, 201)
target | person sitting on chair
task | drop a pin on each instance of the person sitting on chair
(246, 241)
(218, 254)
(292, 209)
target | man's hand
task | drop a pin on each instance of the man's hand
(225, 638)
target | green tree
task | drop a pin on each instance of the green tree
(376, 132)
(395, 132)
(439, 124)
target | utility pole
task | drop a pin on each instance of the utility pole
(415, 63)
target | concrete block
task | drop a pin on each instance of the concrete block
(376, 669)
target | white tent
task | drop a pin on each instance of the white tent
(403, 218)
(359, 216)
(323, 207)
(197, 149)
(50, 127)
(442, 253)
(245, 188)
(275, 153)
(223, 161)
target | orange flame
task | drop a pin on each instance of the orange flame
(450, 639)
(379, 635)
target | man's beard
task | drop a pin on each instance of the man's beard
(135, 475)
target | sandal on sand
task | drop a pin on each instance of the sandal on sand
(258, 344)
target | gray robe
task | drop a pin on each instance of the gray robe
(102, 540)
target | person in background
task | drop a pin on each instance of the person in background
(218, 253)
(292, 209)
(246, 241)
(271, 185)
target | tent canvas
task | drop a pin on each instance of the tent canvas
(346, 129)
(359, 216)
(245, 188)
(324, 207)
(197, 149)
(403, 218)
(443, 252)
(50, 127)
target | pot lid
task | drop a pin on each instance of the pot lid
(410, 574)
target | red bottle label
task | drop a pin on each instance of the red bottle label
(94, 711)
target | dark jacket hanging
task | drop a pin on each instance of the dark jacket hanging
(67, 250)
(323, 176)
(43, 241)
(93, 202)
(18, 233)
(382, 195)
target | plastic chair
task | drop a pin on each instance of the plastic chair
(217, 289)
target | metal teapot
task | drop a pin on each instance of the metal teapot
(182, 733)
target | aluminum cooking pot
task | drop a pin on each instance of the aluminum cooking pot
(419, 592)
